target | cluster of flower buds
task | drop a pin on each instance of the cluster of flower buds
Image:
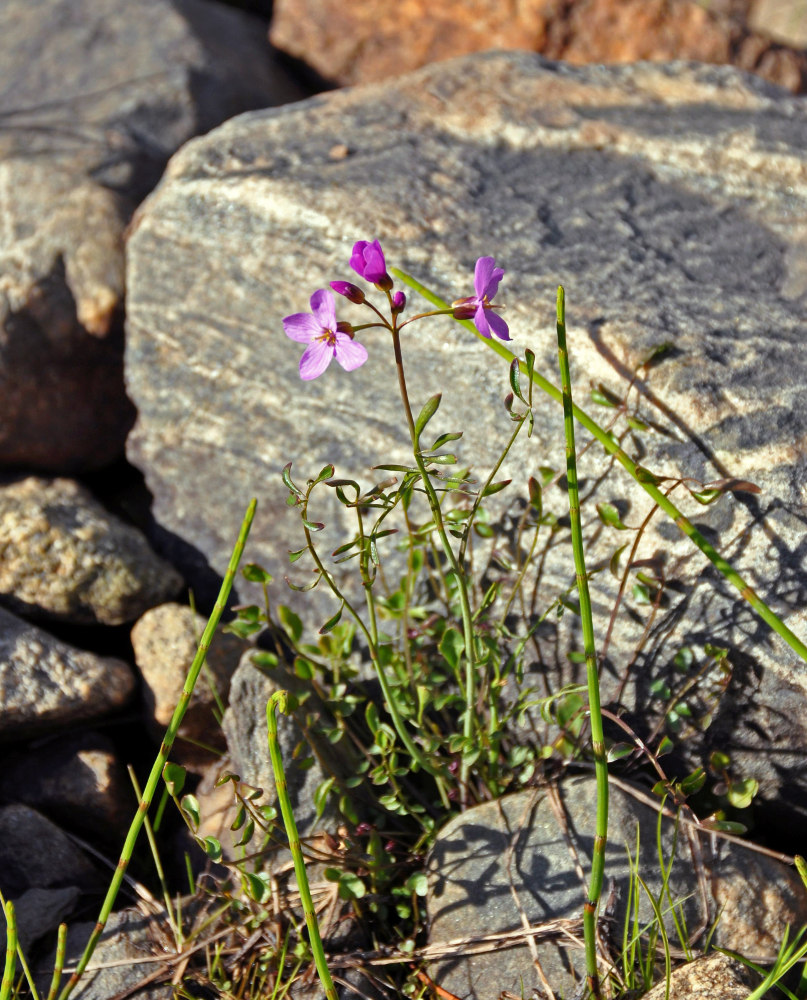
(328, 339)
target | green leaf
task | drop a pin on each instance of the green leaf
(683, 659)
(693, 782)
(445, 439)
(646, 476)
(301, 588)
(425, 415)
(332, 622)
(610, 515)
(417, 883)
(742, 792)
(604, 397)
(240, 818)
(291, 622)
(724, 825)
(665, 746)
(515, 381)
(801, 868)
(536, 497)
(190, 806)
(619, 750)
(636, 424)
(286, 473)
(326, 472)
(211, 847)
(303, 668)
(255, 573)
(260, 886)
(294, 556)
(321, 796)
(246, 836)
(451, 647)
(351, 886)
(313, 525)
(174, 778)
(613, 563)
(719, 761)
(488, 491)
(641, 593)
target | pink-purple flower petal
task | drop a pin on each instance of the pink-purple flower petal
(302, 327)
(316, 358)
(498, 325)
(367, 260)
(349, 353)
(323, 307)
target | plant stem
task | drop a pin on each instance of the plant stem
(459, 575)
(592, 675)
(11, 951)
(645, 479)
(165, 749)
(279, 700)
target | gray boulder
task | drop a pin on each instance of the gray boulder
(502, 865)
(94, 98)
(63, 557)
(666, 198)
(46, 684)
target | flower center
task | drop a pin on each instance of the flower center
(328, 337)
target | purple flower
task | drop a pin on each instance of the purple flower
(367, 260)
(486, 283)
(325, 337)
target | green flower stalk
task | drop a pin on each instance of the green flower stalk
(592, 674)
(279, 700)
(165, 749)
(11, 951)
(644, 478)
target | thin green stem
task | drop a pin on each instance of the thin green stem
(459, 575)
(11, 951)
(58, 965)
(165, 749)
(645, 479)
(386, 690)
(592, 675)
(278, 701)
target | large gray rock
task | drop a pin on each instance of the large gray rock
(95, 96)
(63, 557)
(46, 684)
(504, 862)
(670, 201)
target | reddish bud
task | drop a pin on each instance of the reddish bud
(344, 327)
(350, 291)
(398, 302)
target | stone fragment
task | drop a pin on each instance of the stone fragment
(370, 40)
(36, 854)
(708, 978)
(45, 684)
(501, 859)
(783, 20)
(165, 641)
(669, 200)
(299, 736)
(40, 911)
(76, 780)
(64, 558)
(126, 951)
(94, 98)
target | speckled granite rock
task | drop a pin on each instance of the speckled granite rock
(63, 557)
(522, 848)
(94, 98)
(46, 684)
(714, 977)
(671, 201)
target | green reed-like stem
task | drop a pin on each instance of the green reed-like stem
(11, 951)
(165, 749)
(58, 965)
(592, 674)
(459, 574)
(645, 479)
(278, 701)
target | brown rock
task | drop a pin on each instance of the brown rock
(362, 42)
(165, 641)
(708, 978)
(76, 780)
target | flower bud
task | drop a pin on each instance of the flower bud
(344, 327)
(350, 291)
(384, 283)
(398, 303)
